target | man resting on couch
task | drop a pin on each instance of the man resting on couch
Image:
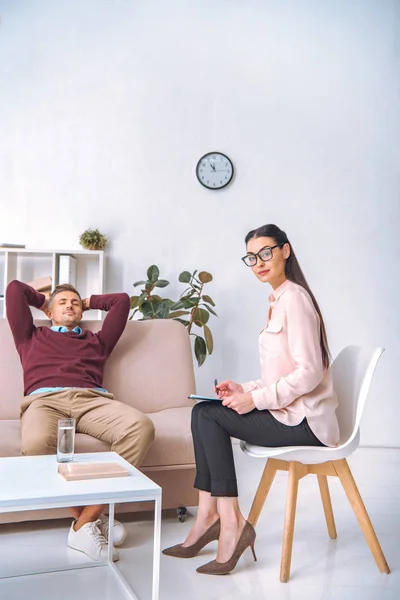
(63, 375)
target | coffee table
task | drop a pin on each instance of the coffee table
(33, 483)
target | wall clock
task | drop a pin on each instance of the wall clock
(214, 170)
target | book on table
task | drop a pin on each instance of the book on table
(73, 471)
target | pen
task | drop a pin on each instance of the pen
(216, 384)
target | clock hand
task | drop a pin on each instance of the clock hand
(212, 166)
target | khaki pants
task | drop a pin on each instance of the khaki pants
(129, 431)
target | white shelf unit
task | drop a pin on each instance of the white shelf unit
(26, 264)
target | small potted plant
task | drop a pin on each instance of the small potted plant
(92, 239)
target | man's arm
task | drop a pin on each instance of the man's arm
(19, 297)
(118, 307)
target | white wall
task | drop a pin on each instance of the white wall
(106, 106)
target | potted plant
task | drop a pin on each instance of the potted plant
(192, 309)
(92, 239)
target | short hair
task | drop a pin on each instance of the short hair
(63, 287)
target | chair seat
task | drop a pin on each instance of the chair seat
(310, 455)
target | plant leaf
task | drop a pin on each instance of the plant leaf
(209, 339)
(134, 301)
(153, 273)
(178, 305)
(149, 286)
(162, 311)
(209, 300)
(185, 277)
(178, 313)
(183, 321)
(200, 350)
(201, 316)
(211, 310)
(161, 283)
(138, 283)
(205, 277)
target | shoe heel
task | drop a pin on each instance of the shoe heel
(253, 551)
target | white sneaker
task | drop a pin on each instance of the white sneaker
(119, 531)
(91, 541)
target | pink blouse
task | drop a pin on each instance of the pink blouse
(294, 383)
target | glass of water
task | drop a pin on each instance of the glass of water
(65, 440)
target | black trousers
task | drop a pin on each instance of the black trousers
(212, 428)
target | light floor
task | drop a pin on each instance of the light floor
(322, 569)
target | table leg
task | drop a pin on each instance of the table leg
(110, 532)
(157, 549)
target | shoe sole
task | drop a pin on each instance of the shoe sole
(115, 559)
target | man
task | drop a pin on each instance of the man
(63, 376)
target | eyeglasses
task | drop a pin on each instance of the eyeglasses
(264, 255)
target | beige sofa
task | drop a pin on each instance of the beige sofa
(151, 369)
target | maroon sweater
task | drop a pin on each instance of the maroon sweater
(53, 359)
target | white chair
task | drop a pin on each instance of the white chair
(352, 373)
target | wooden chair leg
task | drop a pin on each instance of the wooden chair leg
(327, 504)
(262, 491)
(295, 473)
(349, 485)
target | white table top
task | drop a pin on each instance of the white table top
(33, 482)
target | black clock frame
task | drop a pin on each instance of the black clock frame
(215, 189)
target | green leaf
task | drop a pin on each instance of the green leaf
(183, 321)
(178, 305)
(185, 277)
(154, 297)
(209, 339)
(178, 313)
(153, 273)
(134, 301)
(139, 283)
(201, 316)
(161, 283)
(205, 277)
(200, 350)
(149, 286)
(209, 300)
(162, 311)
(211, 310)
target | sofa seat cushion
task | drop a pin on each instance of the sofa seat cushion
(173, 443)
(10, 437)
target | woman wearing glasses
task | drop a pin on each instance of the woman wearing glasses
(292, 404)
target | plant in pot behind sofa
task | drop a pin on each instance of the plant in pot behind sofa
(192, 309)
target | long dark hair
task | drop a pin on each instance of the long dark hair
(294, 273)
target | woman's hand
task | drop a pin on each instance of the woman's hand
(241, 403)
(227, 388)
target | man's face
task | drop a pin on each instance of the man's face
(66, 310)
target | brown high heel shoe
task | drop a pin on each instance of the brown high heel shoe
(217, 568)
(179, 551)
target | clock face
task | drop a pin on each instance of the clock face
(214, 170)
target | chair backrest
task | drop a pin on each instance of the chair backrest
(352, 372)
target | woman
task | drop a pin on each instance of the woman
(293, 404)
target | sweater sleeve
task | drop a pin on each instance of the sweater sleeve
(117, 306)
(304, 345)
(19, 297)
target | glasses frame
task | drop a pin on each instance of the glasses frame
(257, 255)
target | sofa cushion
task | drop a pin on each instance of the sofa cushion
(10, 437)
(172, 446)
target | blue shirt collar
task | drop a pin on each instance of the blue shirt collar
(62, 329)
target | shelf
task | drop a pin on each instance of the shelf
(27, 264)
